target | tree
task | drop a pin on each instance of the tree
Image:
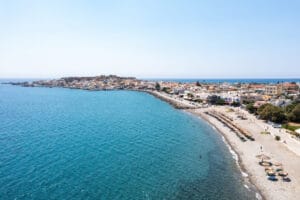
(215, 100)
(250, 107)
(271, 113)
(265, 111)
(290, 108)
(235, 104)
(278, 115)
(262, 107)
(166, 89)
(220, 101)
(157, 86)
(190, 95)
(294, 115)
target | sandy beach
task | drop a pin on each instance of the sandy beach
(286, 151)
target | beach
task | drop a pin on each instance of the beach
(286, 151)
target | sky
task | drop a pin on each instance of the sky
(150, 38)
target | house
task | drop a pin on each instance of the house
(273, 90)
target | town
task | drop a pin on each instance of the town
(276, 102)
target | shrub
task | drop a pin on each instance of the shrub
(277, 137)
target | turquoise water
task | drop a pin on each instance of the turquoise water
(73, 144)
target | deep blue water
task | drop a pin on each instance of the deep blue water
(73, 144)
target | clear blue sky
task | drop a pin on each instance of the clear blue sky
(150, 38)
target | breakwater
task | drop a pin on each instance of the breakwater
(175, 103)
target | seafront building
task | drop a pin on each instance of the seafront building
(280, 94)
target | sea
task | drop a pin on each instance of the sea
(58, 143)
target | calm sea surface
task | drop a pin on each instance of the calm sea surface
(73, 144)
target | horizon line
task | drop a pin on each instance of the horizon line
(156, 78)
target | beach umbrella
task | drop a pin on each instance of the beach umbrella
(272, 178)
(265, 164)
(270, 173)
(279, 169)
(263, 157)
(282, 173)
(268, 168)
(277, 164)
(286, 179)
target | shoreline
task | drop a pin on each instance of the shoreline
(288, 154)
(238, 160)
(233, 151)
(247, 150)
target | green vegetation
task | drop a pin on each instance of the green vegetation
(157, 86)
(198, 100)
(265, 132)
(166, 89)
(250, 107)
(290, 113)
(277, 137)
(220, 101)
(190, 95)
(271, 113)
(290, 127)
(215, 100)
(294, 114)
(246, 102)
(235, 104)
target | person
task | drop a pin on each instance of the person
(261, 149)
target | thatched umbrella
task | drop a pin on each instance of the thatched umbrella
(277, 164)
(267, 168)
(265, 163)
(283, 173)
(279, 169)
(270, 173)
(263, 157)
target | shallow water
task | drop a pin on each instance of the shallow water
(73, 144)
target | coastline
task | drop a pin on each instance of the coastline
(239, 163)
(246, 151)
(232, 149)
